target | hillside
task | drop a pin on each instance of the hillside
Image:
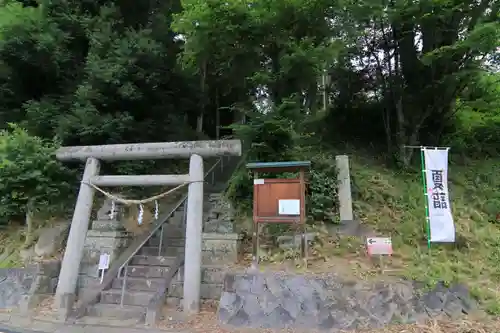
(393, 203)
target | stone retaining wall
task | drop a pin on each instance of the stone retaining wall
(220, 242)
(220, 215)
(27, 287)
(270, 300)
(220, 248)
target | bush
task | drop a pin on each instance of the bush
(32, 180)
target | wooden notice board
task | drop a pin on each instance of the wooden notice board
(279, 200)
(269, 193)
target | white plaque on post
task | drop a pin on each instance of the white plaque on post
(289, 207)
(103, 264)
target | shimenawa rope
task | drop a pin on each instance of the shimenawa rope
(129, 202)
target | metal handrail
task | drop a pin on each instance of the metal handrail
(159, 226)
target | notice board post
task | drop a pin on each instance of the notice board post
(279, 200)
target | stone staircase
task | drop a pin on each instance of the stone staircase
(149, 270)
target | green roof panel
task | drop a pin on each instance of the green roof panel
(279, 165)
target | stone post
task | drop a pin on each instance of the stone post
(344, 188)
(65, 293)
(194, 224)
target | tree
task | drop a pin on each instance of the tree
(244, 52)
(33, 181)
(94, 72)
(420, 56)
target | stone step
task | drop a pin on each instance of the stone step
(138, 283)
(175, 221)
(136, 298)
(167, 251)
(147, 271)
(167, 241)
(173, 227)
(208, 257)
(115, 311)
(209, 274)
(143, 260)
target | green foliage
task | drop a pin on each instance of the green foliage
(92, 75)
(268, 137)
(32, 178)
(475, 131)
(322, 189)
(275, 137)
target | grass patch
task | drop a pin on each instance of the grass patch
(393, 203)
(11, 241)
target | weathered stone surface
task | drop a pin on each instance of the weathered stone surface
(219, 216)
(289, 242)
(107, 225)
(110, 212)
(18, 285)
(14, 283)
(51, 239)
(209, 274)
(98, 239)
(27, 254)
(207, 290)
(220, 247)
(220, 226)
(98, 242)
(270, 300)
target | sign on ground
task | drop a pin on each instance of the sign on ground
(379, 246)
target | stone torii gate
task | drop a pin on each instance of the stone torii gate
(195, 150)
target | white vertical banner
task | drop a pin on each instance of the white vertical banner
(442, 228)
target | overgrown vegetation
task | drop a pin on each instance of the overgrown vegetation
(33, 180)
(310, 78)
(393, 202)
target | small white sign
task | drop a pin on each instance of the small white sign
(379, 246)
(289, 207)
(258, 181)
(104, 261)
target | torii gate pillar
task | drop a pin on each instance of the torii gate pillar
(195, 150)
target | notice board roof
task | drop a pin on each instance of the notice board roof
(279, 166)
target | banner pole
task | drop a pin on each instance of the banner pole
(426, 199)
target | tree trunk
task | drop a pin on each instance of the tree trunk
(406, 135)
(217, 114)
(199, 123)
(29, 225)
(199, 120)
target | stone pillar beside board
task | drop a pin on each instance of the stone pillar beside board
(107, 235)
